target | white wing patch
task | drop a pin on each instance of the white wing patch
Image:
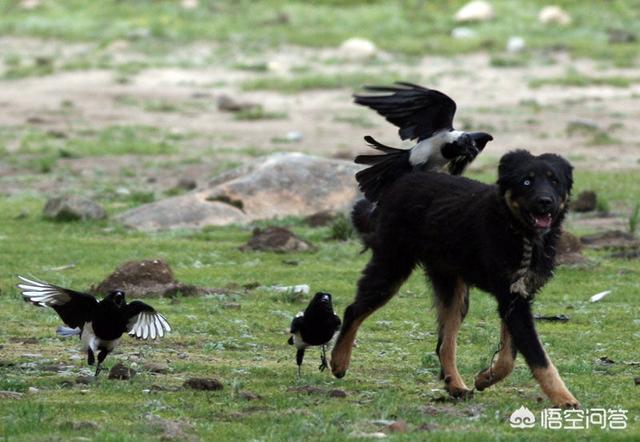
(148, 324)
(41, 293)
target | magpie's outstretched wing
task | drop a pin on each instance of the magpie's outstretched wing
(295, 326)
(144, 321)
(74, 308)
(419, 112)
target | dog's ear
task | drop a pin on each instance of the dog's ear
(510, 166)
(562, 167)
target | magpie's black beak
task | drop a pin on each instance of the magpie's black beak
(480, 139)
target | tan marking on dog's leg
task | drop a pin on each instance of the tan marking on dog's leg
(341, 353)
(450, 319)
(502, 366)
(553, 386)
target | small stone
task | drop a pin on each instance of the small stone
(636, 380)
(227, 103)
(356, 48)
(189, 4)
(477, 10)
(585, 202)
(463, 33)
(516, 44)
(206, 384)
(320, 219)
(398, 427)
(276, 239)
(337, 393)
(71, 208)
(119, 371)
(33, 390)
(554, 15)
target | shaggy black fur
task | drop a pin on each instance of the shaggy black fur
(460, 229)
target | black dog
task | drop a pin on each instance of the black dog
(500, 238)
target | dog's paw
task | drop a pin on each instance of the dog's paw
(485, 379)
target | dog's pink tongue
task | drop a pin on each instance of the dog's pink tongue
(543, 221)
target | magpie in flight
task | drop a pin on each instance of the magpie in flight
(100, 324)
(422, 114)
(315, 326)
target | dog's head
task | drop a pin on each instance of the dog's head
(535, 188)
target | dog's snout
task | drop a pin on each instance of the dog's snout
(544, 202)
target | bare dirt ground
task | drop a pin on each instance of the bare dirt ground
(498, 100)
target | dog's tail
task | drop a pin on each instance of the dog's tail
(363, 219)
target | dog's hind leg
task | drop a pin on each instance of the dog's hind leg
(502, 366)
(381, 280)
(452, 303)
(516, 313)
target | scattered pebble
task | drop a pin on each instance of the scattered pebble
(186, 183)
(357, 49)
(154, 367)
(227, 103)
(554, 15)
(294, 136)
(599, 296)
(475, 11)
(33, 390)
(636, 380)
(516, 44)
(249, 396)
(276, 239)
(337, 393)
(463, 33)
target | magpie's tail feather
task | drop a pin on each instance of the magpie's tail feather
(383, 170)
(67, 331)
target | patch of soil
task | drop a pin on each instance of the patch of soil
(569, 250)
(276, 239)
(585, 202)
(612, 239)
(144, 279)
(205, 384)
(120, 372)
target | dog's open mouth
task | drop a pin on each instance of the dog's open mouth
(541, 221)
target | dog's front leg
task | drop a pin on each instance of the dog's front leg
(516, 314)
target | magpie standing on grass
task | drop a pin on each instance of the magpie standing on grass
(100, 324)
(316, 325)
(422, 114)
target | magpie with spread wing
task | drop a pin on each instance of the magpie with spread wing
(422, 114)
(100, 324)
(315, 326)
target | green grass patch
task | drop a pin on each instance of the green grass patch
(239, 336)
(305, 82)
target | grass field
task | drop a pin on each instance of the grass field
(115, 100)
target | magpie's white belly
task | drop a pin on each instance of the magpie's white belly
(298, 342)
(90, 340)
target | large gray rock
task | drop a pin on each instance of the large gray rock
(71, 208)
(280, 185)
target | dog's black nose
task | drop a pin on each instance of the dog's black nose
(544, 202)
